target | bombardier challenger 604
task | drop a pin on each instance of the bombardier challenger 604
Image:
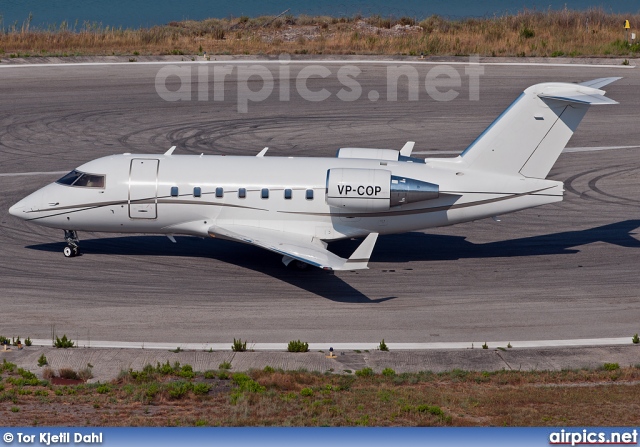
(296, 206)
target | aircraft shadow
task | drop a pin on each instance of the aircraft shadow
(399, 248)
(420, 246)
(316, 281)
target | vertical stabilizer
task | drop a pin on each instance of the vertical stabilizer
(528, 137)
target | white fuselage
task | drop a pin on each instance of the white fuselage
(137, 196)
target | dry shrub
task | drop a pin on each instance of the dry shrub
(85, 374)
(68, 373)
(48, 373)
(286, 381)
(591, 32)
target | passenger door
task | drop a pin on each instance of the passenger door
(143, 188)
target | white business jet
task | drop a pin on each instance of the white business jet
(295, 206)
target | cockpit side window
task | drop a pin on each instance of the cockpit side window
(81, 179)
(90, 181)
(69, 178)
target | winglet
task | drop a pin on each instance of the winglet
(262, 152)
(407, 149)
(170, 151)
(360, 258)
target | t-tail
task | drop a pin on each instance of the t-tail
(528, 137)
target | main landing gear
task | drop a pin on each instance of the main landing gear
(72, 249)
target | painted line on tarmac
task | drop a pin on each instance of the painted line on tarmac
(320, 61)
(19, 174)
(568, 150)
(348, 346)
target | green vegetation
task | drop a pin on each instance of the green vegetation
(485, 345)
(103, 389)
(63, 342)
(364, 372)
(224, 365)
(308, 392)
(297, 346)
(7, 366)
(611, 366)
(238, 345)
(27, 341)
(42, 360)
(527, 33)
(296, 398)
(383, 346)
(635, 339)
(246, 383)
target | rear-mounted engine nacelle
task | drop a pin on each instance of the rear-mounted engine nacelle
(367, 190)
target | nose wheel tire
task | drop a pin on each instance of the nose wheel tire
(72, 249)
(68, 251)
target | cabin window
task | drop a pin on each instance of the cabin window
(83, 180)
(242, 193)
(219, 192)
(174, 191)
(287, 193)
(309, 194)
(264, 193)
(197, 191)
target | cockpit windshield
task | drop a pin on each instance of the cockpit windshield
(82, 179)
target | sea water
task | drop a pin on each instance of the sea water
(145, 13)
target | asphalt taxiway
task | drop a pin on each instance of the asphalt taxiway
(562, 271)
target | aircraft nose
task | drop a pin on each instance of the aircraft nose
(17, 209)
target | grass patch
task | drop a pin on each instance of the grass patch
(364, 372)
(238, 345)
(298, 398)
(63, 342)
(224, 365)
(611, 366)
(297, 346)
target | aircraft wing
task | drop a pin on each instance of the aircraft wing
(295, 246)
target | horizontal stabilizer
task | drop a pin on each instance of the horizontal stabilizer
(600, 82)
(578, 98)
(301, 247)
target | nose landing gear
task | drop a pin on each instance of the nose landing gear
(72, 249)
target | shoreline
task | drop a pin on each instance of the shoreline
(554, 34)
